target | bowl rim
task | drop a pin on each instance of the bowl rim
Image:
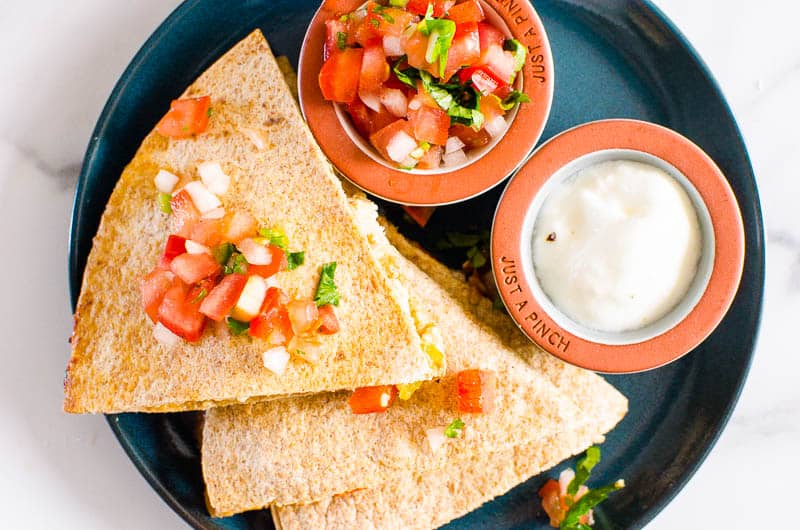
(448, 187)
(516, 286)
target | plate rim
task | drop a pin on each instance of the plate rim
(182, 10)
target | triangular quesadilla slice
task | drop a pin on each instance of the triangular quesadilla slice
(421, 500)
(257, 140)
(309, 448)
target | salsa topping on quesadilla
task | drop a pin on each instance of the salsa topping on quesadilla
(425, 82)
(186, 117)
(220, 266)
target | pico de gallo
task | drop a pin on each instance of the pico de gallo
(219, 266)
(425, 81)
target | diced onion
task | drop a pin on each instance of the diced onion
(392, 46)
(400, 146)
(434, 36)
(216, 213)
(371, 100)
(275, 360)
(165, 181)
(303, 315)
(453, 144)
(308, 350)
(564, 479)
(414, 104)
(255, 137)
(436, 438)
(455, 158)
(495, 126)
(193, 247)
(203, 199)
(395, 102)
(164, 336)
(216, 180)
(253, 252)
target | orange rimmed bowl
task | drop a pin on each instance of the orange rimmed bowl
(708, 297)
(354, 158)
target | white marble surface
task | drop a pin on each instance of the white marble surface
(58, 63)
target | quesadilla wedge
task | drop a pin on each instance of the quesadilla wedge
(310, 448)
(256, 139)
(428, 499)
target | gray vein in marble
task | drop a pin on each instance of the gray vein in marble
(66, 175)
(779, 419)
(771, 83)
(791, 242)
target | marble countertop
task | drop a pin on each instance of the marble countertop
(58, 65)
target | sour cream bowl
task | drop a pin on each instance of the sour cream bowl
(483, 168)
(651, 249)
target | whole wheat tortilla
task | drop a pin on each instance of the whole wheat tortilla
(305, 449)
(428, 499)
(116, 363)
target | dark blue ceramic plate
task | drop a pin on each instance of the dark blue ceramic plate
(614, 59)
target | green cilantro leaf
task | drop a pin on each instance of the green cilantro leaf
(454, 429)
(341, 40)
(583, 469)
(591, 499)
(210, 112)
(476, 257)
(164, 202)
(275, 236)
(398, 3)
(237, 264)
(326, 289)
(295, 259)
(222, 253)
(409, 76)
(202, 294)
(375, 22)
(458, 240)
(513, 98)
(516, 48)
(237, 327)
(381, 12)
(455, 105)
(442, 30)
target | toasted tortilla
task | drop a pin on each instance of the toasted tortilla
(286, 183)
(421, 500)
(310, 448)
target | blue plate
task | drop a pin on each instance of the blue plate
(613, 59)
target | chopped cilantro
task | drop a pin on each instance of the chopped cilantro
(344, 18)
(442, 30)
(202, 294)
(454, 429)
(341, 40)
(583, 469)
(237, 327)
(164, 202)
(209, 112)
(513, 98)
(476, 257)
(516, 48)
(398, 3)
(275, 237)
(409, 76)
(459, 240)
(591, 499)
(236, 264)
(295, 259)
(381, 11)
(459, 101)
(375, 23)
(222, 253)
(326, 289)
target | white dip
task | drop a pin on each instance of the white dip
(616, 246)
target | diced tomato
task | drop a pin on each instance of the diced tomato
(424, 98)
(179, 314)
(176, 245)
(371, 399)
(328, 324)
(192, 268)
(273, 322)
(432, 159)
(374, 69)
(185, 117)
(395, 101)
(499, 61)
(420, 214)
(485, 80)
(464, 51)
(303, 314)
(333, 28)
(278, 263)
(476, 390)
(184, 213)
(380, 21)
(341, 7)
(554, 505)
(489, 35)
(207, 232)
(420, 7)
(153, 287)
(221, 299)
(416, 45)
(338, 78)
(238, 226)
(367, 121)
(429, 124)
(469, 11)
(470, 136)
(380, 139)
(490, 108)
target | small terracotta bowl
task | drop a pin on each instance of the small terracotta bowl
(357, 160)
(711, 292)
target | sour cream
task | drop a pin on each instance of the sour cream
(617, 245)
